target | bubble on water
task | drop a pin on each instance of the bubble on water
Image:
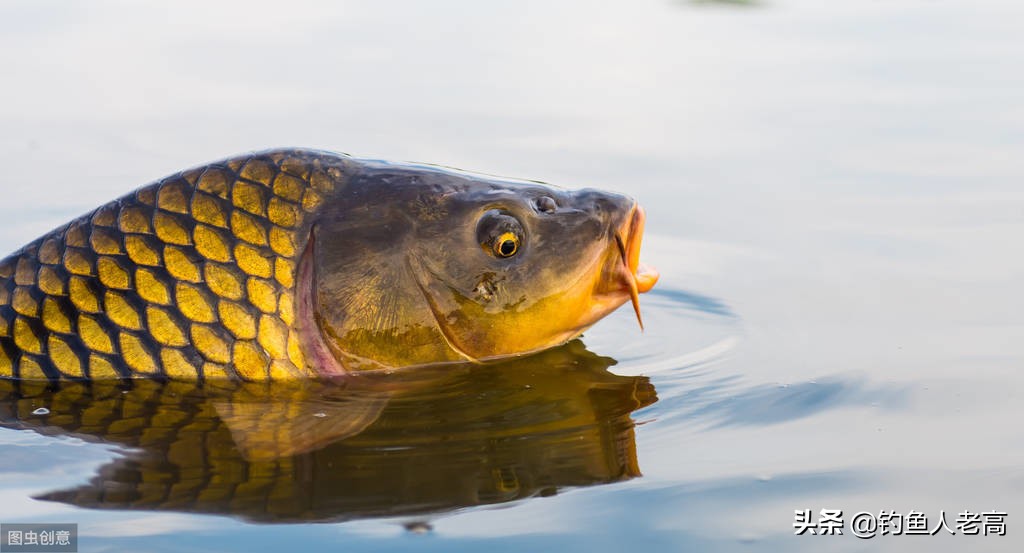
(41, 411)
(748, 539)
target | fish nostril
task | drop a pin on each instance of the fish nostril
(545, 204)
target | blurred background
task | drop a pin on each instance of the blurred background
(834, 195)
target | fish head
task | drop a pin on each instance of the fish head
(421, 265)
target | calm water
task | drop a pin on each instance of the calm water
(835, 202)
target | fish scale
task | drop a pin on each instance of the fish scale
(189, 278)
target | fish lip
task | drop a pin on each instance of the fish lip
(644, 275)
(636, 277)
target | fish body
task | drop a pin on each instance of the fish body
(290, 264)
(188, 278)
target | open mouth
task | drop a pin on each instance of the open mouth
(638, 277)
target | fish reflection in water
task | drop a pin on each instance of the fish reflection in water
(413, 442)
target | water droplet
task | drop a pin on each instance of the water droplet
(419, 527)
(320, 415)
(41, 411)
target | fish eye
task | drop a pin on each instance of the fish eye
(506, 245)
(545, 204)
(500, 234)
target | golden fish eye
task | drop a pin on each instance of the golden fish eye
(506, 245)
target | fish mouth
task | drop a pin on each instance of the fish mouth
(637, 277)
